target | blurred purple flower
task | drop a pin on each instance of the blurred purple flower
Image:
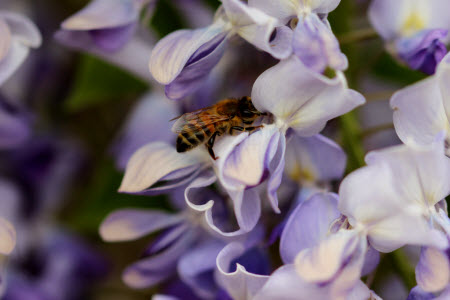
(414, 32)
(17, 35)
(186, 246)
(14, 126)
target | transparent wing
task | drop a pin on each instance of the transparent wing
(201, 117)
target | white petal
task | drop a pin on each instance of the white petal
(7, 237)
(419, 113)
(131, 224)
(151, 163)
(5, 39)
(99, 14)
(305, 100)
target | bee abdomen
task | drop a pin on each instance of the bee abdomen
(186, 141)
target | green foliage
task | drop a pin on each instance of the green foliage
(97, 82)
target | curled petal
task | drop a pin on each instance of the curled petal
(101, 14)
(239, 284)
(131, 224)
(154, 162)
(172, 54)
(433, 270)
(306, 99)
(197, 69)
(246, 164)
(308, 225)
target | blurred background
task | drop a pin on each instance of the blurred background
(62, 181)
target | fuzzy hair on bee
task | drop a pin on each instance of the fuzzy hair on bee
(204, 125)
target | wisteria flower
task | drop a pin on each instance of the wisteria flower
(183, 59)
(415, 31)
(306, 227)
(421, 111)
(14, 126)
(186, 246)
(17, 35)
(107, 28)
(313, 41)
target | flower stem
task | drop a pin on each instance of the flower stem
(350, 131)
(403, 268)
(357, 36)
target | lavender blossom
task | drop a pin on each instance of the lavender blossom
(421, 110)
(415, 31)
(183, 59)
(313, 41)
(17, 35)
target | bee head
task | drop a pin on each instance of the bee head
(247, 111)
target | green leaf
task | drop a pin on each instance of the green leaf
(97, 82)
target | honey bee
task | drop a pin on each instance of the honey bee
(204, 125)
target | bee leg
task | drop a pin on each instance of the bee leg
(253, 128)
(238, 128)
(209, 145)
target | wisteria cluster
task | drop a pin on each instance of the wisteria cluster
(291, 209)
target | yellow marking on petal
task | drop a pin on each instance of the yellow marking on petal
(299, 174)
(414, 23)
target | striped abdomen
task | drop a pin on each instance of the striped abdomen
(194, 135)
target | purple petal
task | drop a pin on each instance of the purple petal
(433, 270)
(316, 45)
(308, 225)
(101, 14)
(371, 261)
(424, 50)
(5, 40)
(131, 224)
(22, 29)
(181, 48)
(200, 260)
(197, 68)
(132, 57)
(418, 294)
(112, 39)
(148, 271)
(152, 163)
(239, 284)
(276, 170)
(314, 159)
(14, 127)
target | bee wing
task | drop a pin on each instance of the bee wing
(195, 118)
